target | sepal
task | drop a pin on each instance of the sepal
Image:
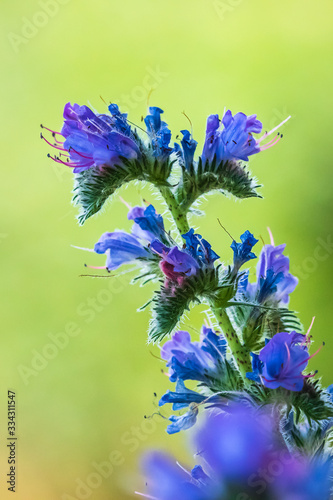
(94, 186)
(227, 177)
(170, 302)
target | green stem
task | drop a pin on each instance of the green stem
(241, 355)
(239, 352)
(179, 216)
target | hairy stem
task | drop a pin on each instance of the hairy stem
(179, 215)
(239, 352)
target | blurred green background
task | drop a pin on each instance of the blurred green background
(86, 403)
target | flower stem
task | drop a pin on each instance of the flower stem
(241, 355)
(179, 216)
(239, 352)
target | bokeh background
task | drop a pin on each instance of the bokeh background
(84, 403)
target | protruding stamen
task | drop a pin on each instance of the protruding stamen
(271, 236)
(266, 134)
(95, 267)
(146, 496)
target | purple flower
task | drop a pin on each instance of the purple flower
(175, 264)
(189, 360)
(203, 362)
(94, 140)
(284, 359)
(242, 251)
(241, 453)
(120, 248)
(274, 280)
(124, 248)
(234, 141)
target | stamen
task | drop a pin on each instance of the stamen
(146, 496)
(95, 267)
(310, 328)
(53, 145)
(80, 154)
(271, 236)
(125, 203)
(82, 248)
(312, 355)
(267, 146)
(266, 134)
(183, 112)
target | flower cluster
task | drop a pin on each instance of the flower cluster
(242, 458)
(267, 431)
(148, 244)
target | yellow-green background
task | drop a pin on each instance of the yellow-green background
(266, 57)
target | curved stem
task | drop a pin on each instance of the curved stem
(241, 355)
(178, 214)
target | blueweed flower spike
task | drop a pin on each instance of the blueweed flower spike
(249, 368)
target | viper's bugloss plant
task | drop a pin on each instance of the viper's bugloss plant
(249, 370)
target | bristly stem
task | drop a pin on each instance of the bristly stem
(239, 352)
(179, 215)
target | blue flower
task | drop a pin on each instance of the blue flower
(257, 368)
(183, 422)
(242, 251)
(199, 248)
(189, 146)
(93, 140)
(178, 264)
(274, 281)
(284, 359)
(235, 140)
(199, 361)
(148, 223)
(124, 248)
(159, 133)
(120, 248)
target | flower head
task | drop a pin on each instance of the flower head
(159, 133)
(189, 146)
(274, 281)
(243, 251)
(203, 362)
(233, 139)
(121, 247)
(93, 140)
(178, 264)
(284, 359)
